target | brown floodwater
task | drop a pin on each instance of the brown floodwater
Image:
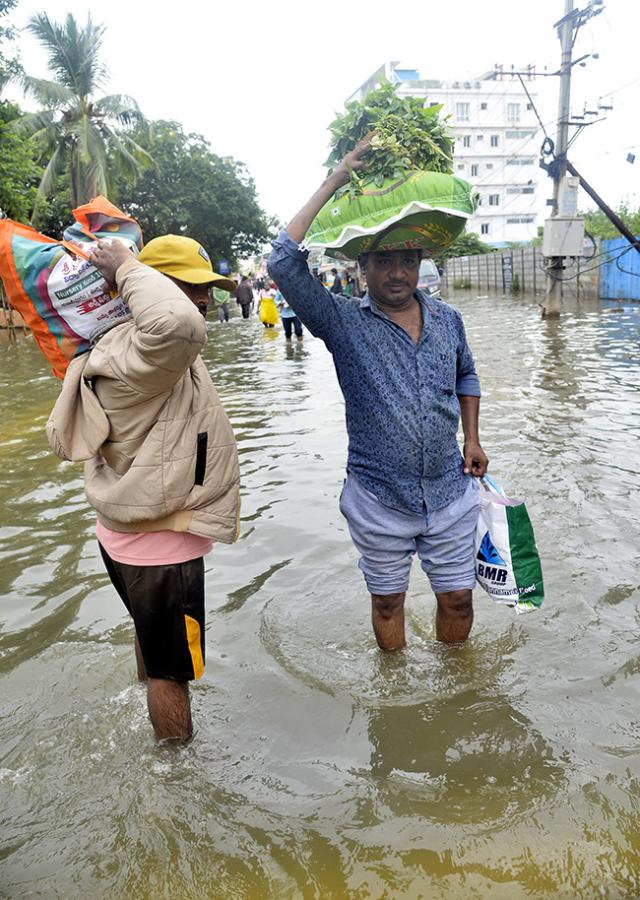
(505, 768)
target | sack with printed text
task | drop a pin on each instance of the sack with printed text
(422, 211)
(404, 195)
(507, 559)
(60, 295)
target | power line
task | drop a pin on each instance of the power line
(593, 268)
(621, 88)
(533, 106)
(615, 150)
(516, 152)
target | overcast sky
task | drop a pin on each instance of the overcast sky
(262, 81)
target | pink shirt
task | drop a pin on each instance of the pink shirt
(152, 548)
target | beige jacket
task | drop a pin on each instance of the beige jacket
(143, 413)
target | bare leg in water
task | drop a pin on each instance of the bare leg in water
(454, 618)
(387, 618)
(168, 704)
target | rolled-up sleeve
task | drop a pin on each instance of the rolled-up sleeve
(467, 381)
(314, 305)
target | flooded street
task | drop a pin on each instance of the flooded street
(505, 768)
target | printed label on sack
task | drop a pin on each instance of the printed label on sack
(79, 295)
(492, 571)
(491, 565)
(507, 562)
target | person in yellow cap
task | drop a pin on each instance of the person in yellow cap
(161, 464)
(187, 264)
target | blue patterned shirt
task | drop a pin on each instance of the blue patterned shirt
(401, 399)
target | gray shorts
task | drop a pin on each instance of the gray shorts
(386, 540)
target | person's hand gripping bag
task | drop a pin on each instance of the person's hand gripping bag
(61, 296)
(507, 559)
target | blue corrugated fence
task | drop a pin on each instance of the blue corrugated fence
(620, 279)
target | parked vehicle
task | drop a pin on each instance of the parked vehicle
(429, 278)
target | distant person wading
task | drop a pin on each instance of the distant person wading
(244, 296)
(290, 321)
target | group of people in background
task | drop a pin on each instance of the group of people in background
(348, 287)
(271, 305)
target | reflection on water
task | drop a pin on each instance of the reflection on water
(455, 763)
(505, 768)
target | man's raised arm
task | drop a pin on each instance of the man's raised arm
(299, 225)
(288, 262)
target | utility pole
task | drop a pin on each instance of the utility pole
(553, 293)
(563, 231)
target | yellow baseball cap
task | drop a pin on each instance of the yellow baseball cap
(184, 259)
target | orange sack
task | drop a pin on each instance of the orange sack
(60, 295)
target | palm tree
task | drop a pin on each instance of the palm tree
(74, 132)
(9, 68)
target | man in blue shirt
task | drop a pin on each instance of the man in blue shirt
(407, 376)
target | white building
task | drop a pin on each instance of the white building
(497, 143)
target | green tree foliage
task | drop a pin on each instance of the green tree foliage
(466, 244)
(75, 132)
(54, 212)
(194, 192)
(9, 66)
(19, 174)
(407, 136)
(597, 224)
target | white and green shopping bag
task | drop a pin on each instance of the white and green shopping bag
(507, 559)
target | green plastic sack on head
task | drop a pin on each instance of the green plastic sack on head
(425, 211)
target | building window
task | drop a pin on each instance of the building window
(474, 170)
(489, 165)
(495, 140)
(520, 190)
(513, 112)
(466, 141)
(529, 106)
(521, 220)
(483, 106)
(494, 199)
(479, 201)
(520, 162)
(484, 229)
(460, 167)
(462, 112)
(479, 137)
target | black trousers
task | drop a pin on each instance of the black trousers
(166, 603)
(290, 322)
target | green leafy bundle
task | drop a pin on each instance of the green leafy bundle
(407, 136)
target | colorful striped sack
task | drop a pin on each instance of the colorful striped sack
(60, 295)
